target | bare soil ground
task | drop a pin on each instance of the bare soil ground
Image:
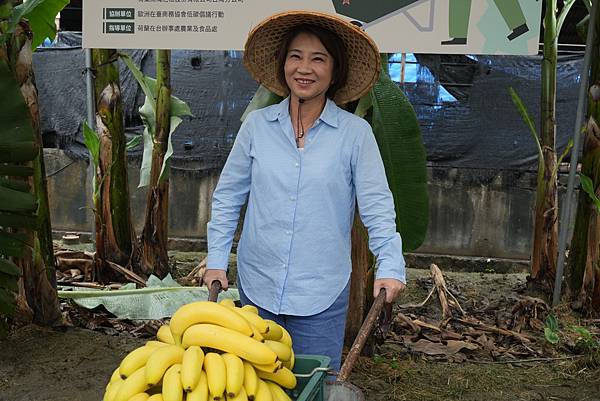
(74, 364)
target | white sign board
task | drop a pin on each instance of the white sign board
(414, 26)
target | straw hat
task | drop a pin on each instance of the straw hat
(264, 42)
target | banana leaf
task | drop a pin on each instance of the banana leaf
(8, 267)
(17, 152)
(398, 136)
(8, 282)
(159, 299)
(178, 109)
(41, 15)
(17, 201)
(11, 244)
(14, 184)
(12, 170)
(261, 99)
(16, 220)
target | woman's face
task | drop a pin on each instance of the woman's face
(308, 67)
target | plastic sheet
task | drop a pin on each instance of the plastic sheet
(479, 128)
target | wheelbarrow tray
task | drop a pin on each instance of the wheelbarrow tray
(310, 388)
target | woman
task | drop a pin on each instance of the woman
(301, 165)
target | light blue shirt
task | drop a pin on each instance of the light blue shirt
(294, 252)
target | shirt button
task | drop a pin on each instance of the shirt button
(288, 232)
(297, 164)
(292, 198)
(283, 265)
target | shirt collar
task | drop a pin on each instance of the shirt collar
(329, 115)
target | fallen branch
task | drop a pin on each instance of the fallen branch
(84, 285)
(70, 263)
(131, 276)
(410, 306)
(408, 321)
(197, 272)
(492, 329)
(447, 300)
(427, 325)
(74, 255)
(440, 285)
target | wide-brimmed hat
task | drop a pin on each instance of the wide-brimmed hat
(265, 40)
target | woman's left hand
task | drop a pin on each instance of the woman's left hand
(393, 288)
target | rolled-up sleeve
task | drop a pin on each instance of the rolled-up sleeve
(228, 198)
(376, 207)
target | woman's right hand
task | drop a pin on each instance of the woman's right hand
(211, 275)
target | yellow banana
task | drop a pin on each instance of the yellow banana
(207, 312)
(254, 319)
(286, 338)
(135, 360)
(172, 390)
(275, 331)
(216, 374)
(135, 383)
(116, 375)
(290, 364)
(191, 366)
(200, 393)
(251, 308)
(140, 397)
(256, 334)
(250, 380)
(164, 334)
(227, 340)
(160, 360)
(240, 396)
(155, 344)
(112, 389)
(228, 302)
(284, 377)
(284, 353)
(235, 374)
(263, 393)
(271, 368)
(277, 392)
(156, 397)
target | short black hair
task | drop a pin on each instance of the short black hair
(335, 47)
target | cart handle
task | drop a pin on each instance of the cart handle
(361, 337)
(213, 292)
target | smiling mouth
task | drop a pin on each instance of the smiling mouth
(304, 81)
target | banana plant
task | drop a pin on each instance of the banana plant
(18, 204)
(583, 270)
(40, 15)
(161, 114)
(545, 226)
(22, 27)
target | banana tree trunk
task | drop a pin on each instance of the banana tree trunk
(115, 237)
(361, 282)
(584, 266)
(38, 263)
(155, 232)
(545, 239)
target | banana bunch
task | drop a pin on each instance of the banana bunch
(209, 352)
